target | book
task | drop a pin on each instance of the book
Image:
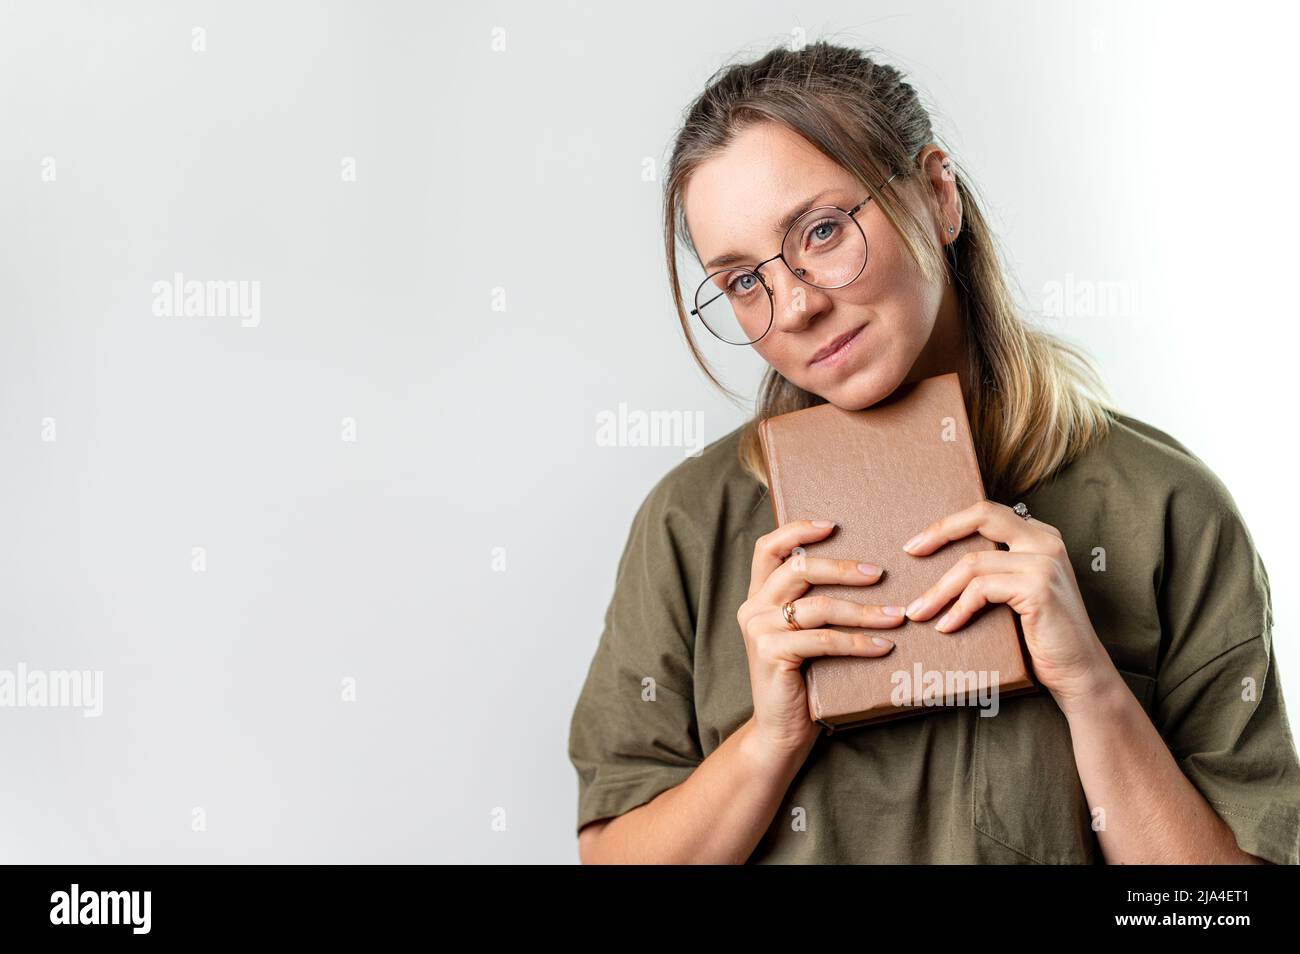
(883, 474)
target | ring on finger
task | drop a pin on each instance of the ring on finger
(787, 610)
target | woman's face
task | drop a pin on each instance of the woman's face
(902, 327)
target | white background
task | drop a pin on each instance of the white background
(1140, 146)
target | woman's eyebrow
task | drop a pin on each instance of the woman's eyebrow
(731, 258)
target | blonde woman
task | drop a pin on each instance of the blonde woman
(838, 240)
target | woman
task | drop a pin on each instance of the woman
(1161, 735)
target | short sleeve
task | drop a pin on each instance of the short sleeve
(1219, 704)
(633, 733)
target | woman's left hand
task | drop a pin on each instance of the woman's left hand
(1034, 577)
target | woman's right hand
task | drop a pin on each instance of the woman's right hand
(782, 724)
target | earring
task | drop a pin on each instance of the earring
(951, 230)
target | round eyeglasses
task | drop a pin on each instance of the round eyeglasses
(825, 247)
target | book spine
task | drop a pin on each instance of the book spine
(972, 460)
(779, 516)
(769, 457)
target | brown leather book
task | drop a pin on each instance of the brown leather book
(883, 474)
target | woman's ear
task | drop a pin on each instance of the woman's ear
(939, 171)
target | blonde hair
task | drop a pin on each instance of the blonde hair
(1036, 402)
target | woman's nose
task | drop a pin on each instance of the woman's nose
(794, 302)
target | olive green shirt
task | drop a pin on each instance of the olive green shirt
(1174, 588)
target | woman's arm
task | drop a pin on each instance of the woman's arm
(1153, 814)
(717, 816)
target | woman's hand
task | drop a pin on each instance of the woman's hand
(1035, 578)
(782, 723)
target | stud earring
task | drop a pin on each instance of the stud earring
(951, 230)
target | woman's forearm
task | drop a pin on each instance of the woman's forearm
(1150, 812)
(717, 816)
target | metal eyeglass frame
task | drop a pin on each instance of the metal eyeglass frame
(771, 304)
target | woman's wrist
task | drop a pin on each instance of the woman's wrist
(1098, 691)
(770, 760)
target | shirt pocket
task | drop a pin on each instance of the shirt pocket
(1026, 790)
(1144, 687)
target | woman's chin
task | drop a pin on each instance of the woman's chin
(863, 389)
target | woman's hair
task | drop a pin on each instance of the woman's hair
(1030, 409)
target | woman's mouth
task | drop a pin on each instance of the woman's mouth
(837, 350)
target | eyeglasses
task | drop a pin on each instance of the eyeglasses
(825, 247)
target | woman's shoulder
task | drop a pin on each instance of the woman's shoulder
(701, 485)
(1145, 493)
(1137, 461)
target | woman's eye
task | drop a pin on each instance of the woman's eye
(822, 232)
(736, 286)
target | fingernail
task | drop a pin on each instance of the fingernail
(881, 641)
(870, 569)
(823, 523)
(943, 621)
(915, 606)
(913, 542)
(892, 610)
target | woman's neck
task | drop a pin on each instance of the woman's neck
(946, 350)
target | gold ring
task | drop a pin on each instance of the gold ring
(788, 612)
